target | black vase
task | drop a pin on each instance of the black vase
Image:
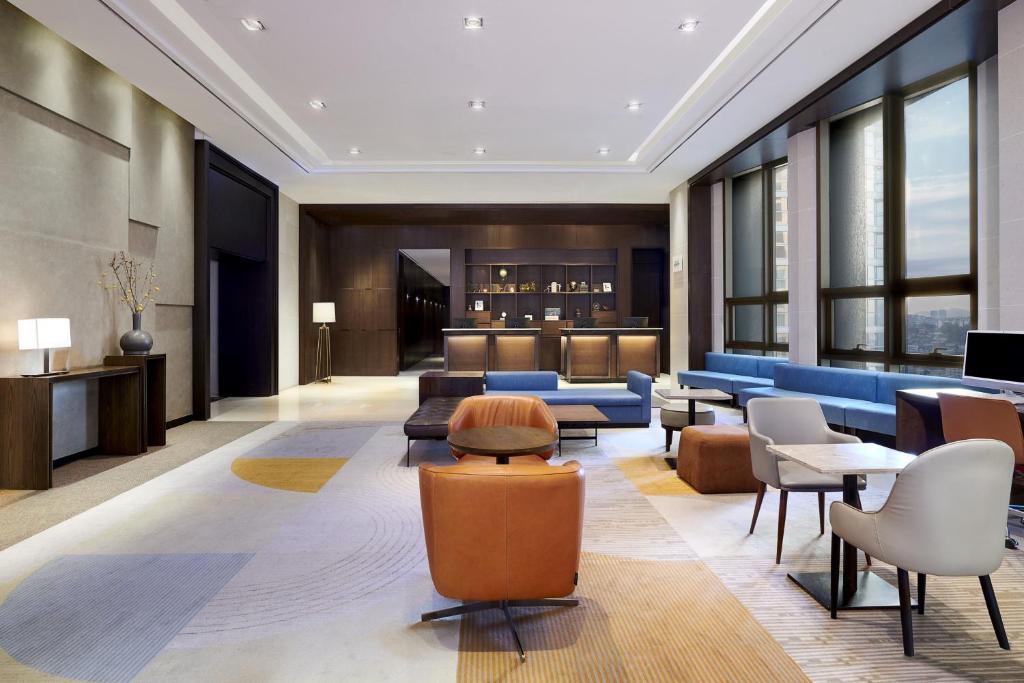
(136, 342)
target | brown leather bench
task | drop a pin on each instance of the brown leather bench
(430, 421)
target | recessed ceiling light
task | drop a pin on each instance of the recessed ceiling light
(318, 104)
(688, 25)
(254, 24)
(472, 23)
(634, 105)
(479, 151)
(355, 151)
(477, 105)
(603, 151)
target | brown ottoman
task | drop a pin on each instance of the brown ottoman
(716, 459)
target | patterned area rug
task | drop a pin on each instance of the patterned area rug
(653, 477)
(638, 620)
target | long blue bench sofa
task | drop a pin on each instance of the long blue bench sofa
(628, 407)
(731, 372)
(858, 399)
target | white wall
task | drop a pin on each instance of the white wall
(288, 293)
(803, 247)
(679, 303)
(1010, 244)
(988, 194)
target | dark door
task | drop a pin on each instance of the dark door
(650, 298)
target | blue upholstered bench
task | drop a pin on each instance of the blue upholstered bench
(859, 399)
(731, 372)
(627, 407)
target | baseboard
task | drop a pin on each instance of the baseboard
(64, 460)
(171, 424)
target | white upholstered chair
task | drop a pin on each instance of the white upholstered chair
(789, 421)
(946, 515)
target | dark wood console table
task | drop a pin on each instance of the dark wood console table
(154, 393)
(26, 422)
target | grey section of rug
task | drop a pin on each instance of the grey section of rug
(88, 482)
(317, 440)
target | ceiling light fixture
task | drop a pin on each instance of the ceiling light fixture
(689, 25)
(254, 25)
(479, 151)
(634, 105)
(355, 151)
(603, 151)
(318, 104)
(477, 105)
(472, 23)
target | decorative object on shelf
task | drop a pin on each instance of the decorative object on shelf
(510, 288)
(604, 307)
(503, 273)
(584, 287)
(478, 305)
(579, 313)
(607, 286)
(572, 285)
(528, 316)
(469, 309)
(503, 315)
(136, 290)
(552, 313)
(43, 334)
(528, 286)
(597, 306)
(554, 287)
(323, 313)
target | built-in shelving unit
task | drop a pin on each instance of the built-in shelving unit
(523, 289)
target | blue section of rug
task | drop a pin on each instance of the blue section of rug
(104, 617)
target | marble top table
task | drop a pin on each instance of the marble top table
(859, 590)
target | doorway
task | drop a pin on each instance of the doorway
(649, 294)
(424, 284)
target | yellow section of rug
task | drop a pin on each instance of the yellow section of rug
(638, 620)
(304, 475)
(653, 477)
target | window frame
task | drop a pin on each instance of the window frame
(770, 297)
(896, 287)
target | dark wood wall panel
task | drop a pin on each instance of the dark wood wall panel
(698, 263)
(349, 255)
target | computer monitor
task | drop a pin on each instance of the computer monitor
(584, 322)
(517, 323)
(635, 321)
(994, 360)
(464, 323)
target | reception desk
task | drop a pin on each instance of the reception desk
(483, 349)
(606, 354)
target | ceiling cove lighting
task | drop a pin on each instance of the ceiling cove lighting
(603, 151)
(254, 25)
(318, 104)
(355, 151)
(634, 105)
(479, 151)
(473, 23)
(689, 25)
(477, 105)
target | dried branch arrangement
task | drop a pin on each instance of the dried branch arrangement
(134, 284)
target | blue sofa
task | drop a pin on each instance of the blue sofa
(731, 372)
(629, 407)
(859, 399)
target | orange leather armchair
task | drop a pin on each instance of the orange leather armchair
(503, 411)
(502, 536)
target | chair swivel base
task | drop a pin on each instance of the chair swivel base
(504, 606)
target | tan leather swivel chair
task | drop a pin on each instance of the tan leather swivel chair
(502, 536)
(503, 411)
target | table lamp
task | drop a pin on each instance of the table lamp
(44, 334)
(323, 313)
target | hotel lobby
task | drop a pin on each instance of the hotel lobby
(470, 341)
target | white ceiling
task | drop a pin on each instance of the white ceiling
(397, 75)
(437, 262)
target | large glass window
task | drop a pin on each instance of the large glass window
(757, 262)
(898, 277)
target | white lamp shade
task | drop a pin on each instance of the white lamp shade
(323, 312)
(44, 333)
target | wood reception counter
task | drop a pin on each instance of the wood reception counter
(482, 349)
(608, 353)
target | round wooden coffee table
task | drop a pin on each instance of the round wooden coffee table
(503, 442)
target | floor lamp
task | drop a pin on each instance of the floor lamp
(323, 313)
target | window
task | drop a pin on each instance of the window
(757, 262)
(898, 273)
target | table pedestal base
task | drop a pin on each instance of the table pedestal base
(873, 592)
